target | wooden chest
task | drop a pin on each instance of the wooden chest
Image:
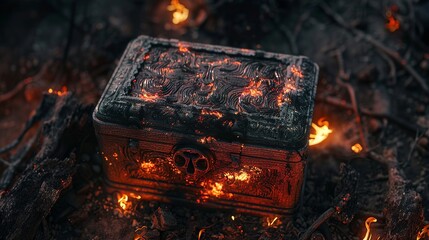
(218, 126)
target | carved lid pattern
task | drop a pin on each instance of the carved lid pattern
(232, 94)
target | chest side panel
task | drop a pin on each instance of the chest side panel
(222, 174)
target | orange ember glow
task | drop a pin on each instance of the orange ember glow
(200, 233)
(357, 148)
(368, 235)
(208, 139)
(392, 23)
(135, 196)
(322, 131)
(216, 114)
(253, 89)
(270, 222)
(296, 71)
(147, 165)
(183, 49)
(241, 176)
(423, 232)
(281, 99)
(214, 189)
(180, 12)
(123, 201)
(148, 97)
(61, 92)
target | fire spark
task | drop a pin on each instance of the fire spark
(180, 12)
(392, 23)
(60, 93)
(357, 148)
(123, 201)
(423, 232)
(271, 222)
(368, 235)
(322, 132)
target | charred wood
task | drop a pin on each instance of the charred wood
(48, 173)
(404, 210)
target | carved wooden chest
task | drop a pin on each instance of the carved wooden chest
(213, 125)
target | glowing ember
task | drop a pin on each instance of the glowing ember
(180, 12)
(296, 71)
(357, 148)
(216, 114)
(61, 92)
(183, 48)
(368, 235)
(214, 189)
(208, 139)
(286, 89)
(135, 196)
(123, 201)
(392, 23)
(322, 132)
(253, 89)
(147, 165)
(148, 97)
(240, 176)
(271, 222)
(423, 232)
(200, 233)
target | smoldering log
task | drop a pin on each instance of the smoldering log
(48, 173)
(404, 209)
(29, 202)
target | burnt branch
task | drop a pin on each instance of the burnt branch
(42, 111)
(345, 202)
(319, 221)
(48, 174)
(400, 122)
(352, 94)
(16, 160)
(377, 44)
(6, 96)
(32, 198)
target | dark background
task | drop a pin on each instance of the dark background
(77, 43)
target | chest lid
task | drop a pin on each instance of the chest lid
(230, 94)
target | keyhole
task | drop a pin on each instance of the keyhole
(191, 161)
(190, 169)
